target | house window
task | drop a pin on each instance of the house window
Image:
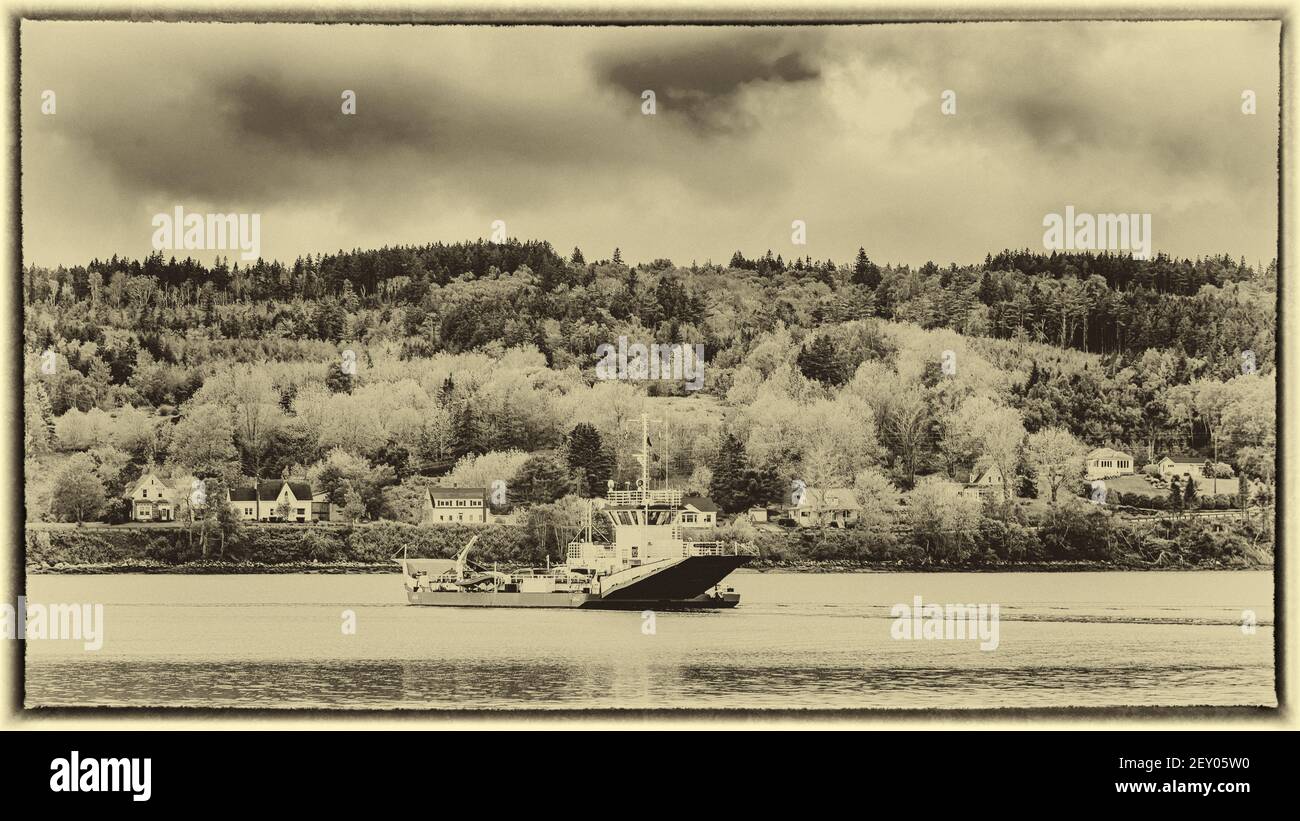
(144, 493)
(688, 518)
(248, 511)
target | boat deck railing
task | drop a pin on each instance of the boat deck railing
(641, 497)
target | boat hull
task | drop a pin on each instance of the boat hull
(587, 601)
(682, 584)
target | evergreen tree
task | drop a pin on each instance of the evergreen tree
(1189, 494)
(465, 431)
(1028, 476)
(542, 479)
(988, 293)
(865, 272)
(338, 380)
(588, 460)
(1175, 495)
(820, 361)
(577, 258)
(735, 485)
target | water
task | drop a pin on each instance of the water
(796, 641)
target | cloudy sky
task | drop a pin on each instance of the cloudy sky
(542, 127)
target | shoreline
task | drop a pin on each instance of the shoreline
(344, 568)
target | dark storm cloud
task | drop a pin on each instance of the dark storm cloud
(302, 113)
(702, 80)
(459, 126)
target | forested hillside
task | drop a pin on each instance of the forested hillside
(371, 372)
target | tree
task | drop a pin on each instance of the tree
(906, 423)
(1000, 437)
(820, 361)
(877, 495)
(1028, 487)
(959, 441)
(257, 414)
(341, 473)
(38, 419)
(865, 272)
(734, 485)
(353, 507)
(943, 521)
(1175, 495)
(337, 379)
(204, 442)
(1057, 455)
(78, 491)
(542, 479)
(465, 430)
(216, 515)
(588, 459)
(1189, 494)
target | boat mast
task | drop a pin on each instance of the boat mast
(645, 466)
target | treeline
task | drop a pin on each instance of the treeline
(512, 545)
(462, 296)
(1068, 535)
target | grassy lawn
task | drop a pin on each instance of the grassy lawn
(1134, 484)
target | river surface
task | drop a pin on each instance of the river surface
(797, 641)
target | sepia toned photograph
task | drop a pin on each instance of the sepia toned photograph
(906, 367)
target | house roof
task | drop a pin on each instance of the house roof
(180, 486)
(269, 491)
(458, 492)
(139, 482)
(701, 503)
(1184, 459)
(1108, 453)
(837, 498)
(979, 474)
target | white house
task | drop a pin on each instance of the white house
(832, 507)
(1179, 467)
(455, 505)
(699, 511)
(1104, 463)
(275, 500)
(153, 500)
(984, 484)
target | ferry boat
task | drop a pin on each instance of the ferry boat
(648, 564)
